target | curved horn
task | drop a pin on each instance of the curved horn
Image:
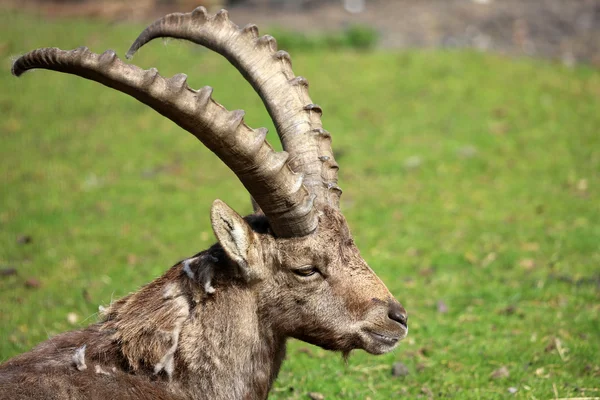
(296, 118)
(265, 173)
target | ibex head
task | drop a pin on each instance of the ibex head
(295, 255)
(317, 287)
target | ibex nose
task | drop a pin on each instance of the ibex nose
(398, 313)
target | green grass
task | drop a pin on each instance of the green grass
(469, 179)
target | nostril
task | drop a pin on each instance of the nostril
(398, 314)
(398, 317)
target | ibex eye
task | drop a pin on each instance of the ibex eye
(306, 270)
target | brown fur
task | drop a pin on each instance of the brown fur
(173, 340)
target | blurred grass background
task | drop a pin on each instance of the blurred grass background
(471, 183)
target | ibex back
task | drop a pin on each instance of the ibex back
(215, 325)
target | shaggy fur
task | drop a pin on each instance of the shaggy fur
(174, 339)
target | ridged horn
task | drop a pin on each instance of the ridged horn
(269, 71)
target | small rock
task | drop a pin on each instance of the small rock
(527, 263)
(413, 162)
(490, 258)
(482, 41)
(132, 259)
(427, 392)
(316, 396)
(91, 182)
(412, 252)
(568, 59)
(400, 369)
(512, 390)
(509, 310)
(442, 307)
(8, 271)
(32, 283)
(24, 239)
(500, 373)
(72, 318)
(467, 152)
(354, 6)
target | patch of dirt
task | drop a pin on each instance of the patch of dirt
(566, 30)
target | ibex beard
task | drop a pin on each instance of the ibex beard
(215, 325)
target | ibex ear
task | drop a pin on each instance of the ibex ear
(237, 238)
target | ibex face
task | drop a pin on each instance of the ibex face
(301, 274)
(334, 299)
(316, 288)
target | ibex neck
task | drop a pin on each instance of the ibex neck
(226, 350)
(209, 346)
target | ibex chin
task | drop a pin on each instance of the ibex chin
(215, 325)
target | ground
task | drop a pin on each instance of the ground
(471, 184)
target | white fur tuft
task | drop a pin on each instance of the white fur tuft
(171, 291)
(167, 362)
(100, 371)
(79, 358)
(187, 269)
(205, 276)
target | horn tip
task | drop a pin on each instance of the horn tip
(15, 69)
(132, 50)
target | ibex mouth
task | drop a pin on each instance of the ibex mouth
(384, 339)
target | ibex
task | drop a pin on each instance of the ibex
(215, 325)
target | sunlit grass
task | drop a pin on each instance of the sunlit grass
(471, 183)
